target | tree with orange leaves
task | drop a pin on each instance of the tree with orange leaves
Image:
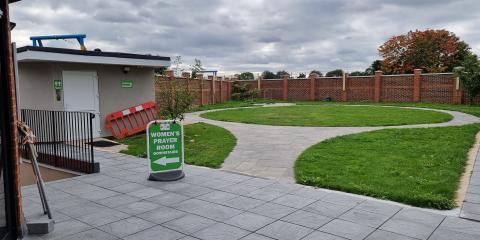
(430, 50)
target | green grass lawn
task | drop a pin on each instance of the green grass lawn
(420, 167)
(329, 115)
(205, 145)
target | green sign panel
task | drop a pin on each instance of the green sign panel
(58, 84)
(165, 146)
(126, 84)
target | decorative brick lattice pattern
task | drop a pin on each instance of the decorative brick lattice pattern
(360, 88)
(437, 88)
(298, 89)
(272, 89)
(397, 88)
(329, 87)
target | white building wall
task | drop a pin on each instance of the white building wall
(37, 92)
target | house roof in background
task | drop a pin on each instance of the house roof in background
(39, 54)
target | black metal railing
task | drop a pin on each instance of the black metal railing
(63, 138)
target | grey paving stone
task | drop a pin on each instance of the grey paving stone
(272, 210)
(168, 199)
(66, 228)
(365, 218)
(284, 231)
(243, 203)
(157, 232)
(343, 199)
(217, 196)
(384, 235)
(117, 200)
(192, 190)
(126, 227)
(445, 234)
(84, 208)
(472, 198)
(309, 192)
(258, 182)
(189, 224)
(93, 234)
(137, 207)
(378, 207)
(146, 193)
(317, 235)
(103, 217)
(220, 231)
(207, 209)
(255, 236)
(461, 225)
(413, 223)
(347, 229)
(241, 189)
(161, 215)
(266, 194)
(249, 221)
(307, 219)
(294, 201)
(97, 194)
(326, 209)
(471, 208)
(129, 187)
(283, 187)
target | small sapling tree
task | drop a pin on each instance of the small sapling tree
(175, 99)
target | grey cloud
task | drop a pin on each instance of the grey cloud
(253, 35)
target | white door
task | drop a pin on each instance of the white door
(80, 94)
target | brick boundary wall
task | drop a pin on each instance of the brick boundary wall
(207, 91)
(417, 87)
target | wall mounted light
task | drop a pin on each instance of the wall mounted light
(126, 69)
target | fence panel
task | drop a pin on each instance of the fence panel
(329, 87)
(397, 88)
(360, 88)
(299, 89)
(437, 88)
(272, 89)
(63, 139)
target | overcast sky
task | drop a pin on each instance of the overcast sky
(247, 35)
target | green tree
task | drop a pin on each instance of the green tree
(174, 98)
(320, 74)
(376, 66)
(268, 75)
(302, 75)
(335, 73)
(358, 73)
(430, 50)
(282, 73)
(196, 67)
(246, 76)
(469, 75)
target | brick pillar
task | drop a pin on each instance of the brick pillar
(285, 87)
(201, 91)
(378, 86)
(344, 87)
(457, 90)
(212, 89)
(312, 86)
(221, 89)
(417, 79)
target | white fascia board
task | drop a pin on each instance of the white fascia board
(38, 56)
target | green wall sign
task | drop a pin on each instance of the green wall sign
(165, 146)
(57, 84)
(126, 83)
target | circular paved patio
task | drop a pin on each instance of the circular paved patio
(271, 151)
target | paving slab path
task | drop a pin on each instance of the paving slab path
(271, 151)
(119, 203)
